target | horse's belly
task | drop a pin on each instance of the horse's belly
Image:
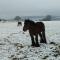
(36, 32)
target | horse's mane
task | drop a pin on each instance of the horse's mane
(30, 21)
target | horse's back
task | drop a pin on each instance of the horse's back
(40, 26)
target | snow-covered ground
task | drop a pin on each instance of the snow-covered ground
(15, 44)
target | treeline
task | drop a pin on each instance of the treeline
(45, 18)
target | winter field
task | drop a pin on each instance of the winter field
(16, 44)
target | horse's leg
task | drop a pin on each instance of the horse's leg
(32, 40)
(44, 38)
(36, 38)
(41, 38)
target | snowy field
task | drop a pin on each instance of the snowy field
(15, 44)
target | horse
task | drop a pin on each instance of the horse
(19, 23)
(35, 29)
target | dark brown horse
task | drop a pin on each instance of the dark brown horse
(35, 29)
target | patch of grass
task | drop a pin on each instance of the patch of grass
(55, 55)
(45, 57)
(52, 43)
(15, 59)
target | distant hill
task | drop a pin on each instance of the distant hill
(41, 17)
(37, 18)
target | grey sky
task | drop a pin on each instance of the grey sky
(9, 8)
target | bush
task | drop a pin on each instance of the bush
(47, 18)
(17, 18)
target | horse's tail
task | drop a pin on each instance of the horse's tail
(43, 35)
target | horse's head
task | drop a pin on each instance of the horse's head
(26, 25)
(19, 23)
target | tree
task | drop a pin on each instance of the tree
(0, 19)
(47, 18)
(17, 18)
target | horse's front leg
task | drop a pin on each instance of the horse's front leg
(32, 40)
(37, 43)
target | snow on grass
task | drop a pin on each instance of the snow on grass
(16, 44)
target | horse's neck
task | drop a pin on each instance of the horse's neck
(32, 27)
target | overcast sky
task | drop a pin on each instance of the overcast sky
(11, 8)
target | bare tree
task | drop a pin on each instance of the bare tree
(47, 18)
(17, 18)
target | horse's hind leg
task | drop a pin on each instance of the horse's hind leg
(36, 38)
(44, 38)
(32, 40)
(41, 38)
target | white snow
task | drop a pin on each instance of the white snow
(16, 44)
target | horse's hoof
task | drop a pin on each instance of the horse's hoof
(33, 45)
(37, 45)
(43, 42)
